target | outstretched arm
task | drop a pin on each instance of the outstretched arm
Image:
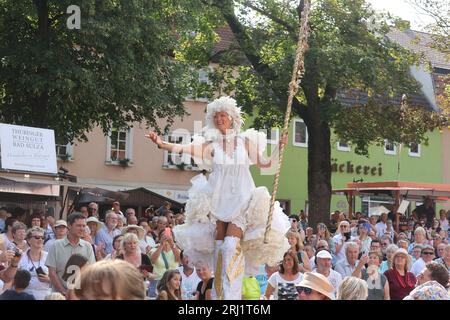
(198, 151)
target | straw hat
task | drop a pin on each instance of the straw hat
(317, 282)
(140, 230)
(94, 219)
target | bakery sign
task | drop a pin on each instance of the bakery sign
(27, 149)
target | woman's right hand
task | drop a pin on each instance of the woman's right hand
(155, 138)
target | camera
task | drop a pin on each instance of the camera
(17, 253)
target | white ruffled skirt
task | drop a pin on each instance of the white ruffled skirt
(196, 236)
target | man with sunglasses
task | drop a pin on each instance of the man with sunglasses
(427, 255)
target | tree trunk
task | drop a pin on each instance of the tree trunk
(319, 171)
(40, 106)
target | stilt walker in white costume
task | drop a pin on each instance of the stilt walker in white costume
(226, 214)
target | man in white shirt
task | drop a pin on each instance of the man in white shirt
(323, 266)
(382, 225)
(348, 266)
(189, 278)
(427, 255)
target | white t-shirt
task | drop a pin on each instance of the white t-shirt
(188, 284)
(37, 288)
(284, 289)
(335, 279)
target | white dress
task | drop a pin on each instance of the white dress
(230, 195)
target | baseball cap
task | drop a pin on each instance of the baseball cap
(324, 254)
(61, 223)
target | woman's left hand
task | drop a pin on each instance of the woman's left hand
(284, 139)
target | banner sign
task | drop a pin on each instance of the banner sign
(27, 149)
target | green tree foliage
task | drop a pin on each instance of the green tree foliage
(349, 55)
(439, 10)
(120, 67)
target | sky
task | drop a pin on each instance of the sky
(404, 10)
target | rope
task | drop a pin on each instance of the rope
(297, 73)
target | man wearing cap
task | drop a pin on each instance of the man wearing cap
(315, 286)
(427, 255)
(323, 266)
(60, 232)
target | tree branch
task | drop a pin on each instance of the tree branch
(266, 73)
(281, 22)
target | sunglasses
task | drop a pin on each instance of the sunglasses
(307, 291)
(428, 253)
(38, 237)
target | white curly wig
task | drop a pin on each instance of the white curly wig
(228, 105)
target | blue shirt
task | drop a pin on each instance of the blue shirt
(262, 278)
(104, 237)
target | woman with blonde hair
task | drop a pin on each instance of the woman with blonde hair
(420, 237)
(131, 253)
(169, 288)
(296, 242)
(401, 281)
(111, 280)
(352, 288)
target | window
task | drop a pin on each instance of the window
(203, 83)
(414, 149)
(173, 160)
(273, 136)
(300, 134)
(343, 146)
(64, 151)
(390, 147)
(119, 146)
